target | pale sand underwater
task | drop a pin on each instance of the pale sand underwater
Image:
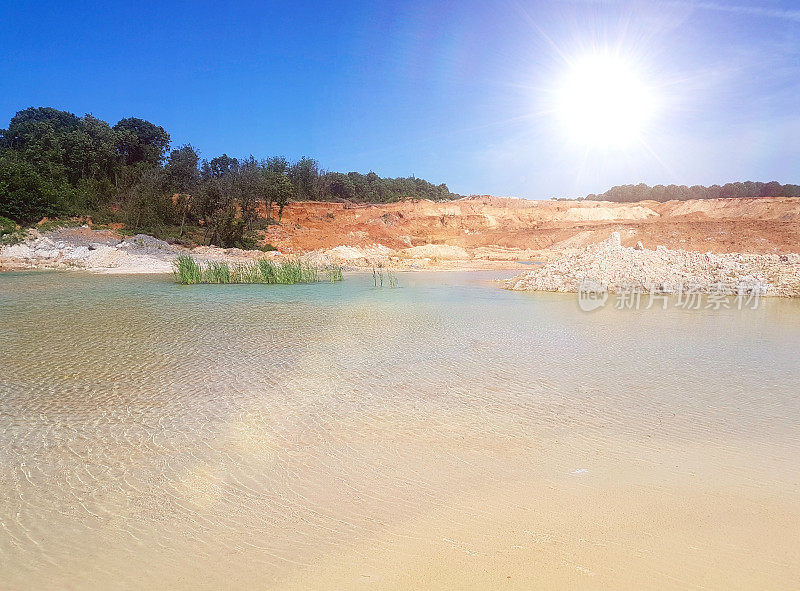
(445, 434)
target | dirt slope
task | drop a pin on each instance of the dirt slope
(492, 227)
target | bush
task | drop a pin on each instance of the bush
(9, 232)
(27, 196)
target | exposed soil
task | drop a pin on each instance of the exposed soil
(500, 226)
(470, 233)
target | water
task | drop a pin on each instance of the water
(446, 434)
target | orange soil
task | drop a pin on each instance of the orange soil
(758, 225)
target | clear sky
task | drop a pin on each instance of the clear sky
(464, 93)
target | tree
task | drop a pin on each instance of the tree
(304, 175)
(40, 135)
(219, 167)
(26, 195)
(771, 189)
(140, 142)
(622, 193)
(182, 178)
(182, 175)
(97, 153)
(225, 186)
(53, 162)
(279, 190)
(252, 188)
(277, 164)
(338, 186)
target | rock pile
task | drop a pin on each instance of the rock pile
(85, 249)
(617, 267)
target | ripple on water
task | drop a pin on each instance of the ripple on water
(150, 427)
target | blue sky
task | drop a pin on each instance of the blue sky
(455, 92)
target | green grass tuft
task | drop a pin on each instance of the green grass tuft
(190, 272)
(187, 270)
(217, 272)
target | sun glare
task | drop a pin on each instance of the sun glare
(602, 103)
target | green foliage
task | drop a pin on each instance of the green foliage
(55, 163)
(27, 195)
(246, 273)
(180, 172)
(217, 272)
(643, 192)
(278, 190)
(304, 175)
(289, 272)
(63, 146)
(9, 232)
(140, 142)
(7, 225)
(189, 272)
(268, 270)
(371, 188)
(334, 274)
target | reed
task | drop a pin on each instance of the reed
(268, 270)
(290, 272)
(379, 276)
(187, 270)
(335, 274)
(190, 272)
(246, 273)
(217, 272)
(393, 282)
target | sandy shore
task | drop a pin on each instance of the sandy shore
(608, 265)
(105, 251)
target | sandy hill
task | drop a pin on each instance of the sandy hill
(487, 227)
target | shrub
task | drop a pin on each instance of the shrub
(28, 195)
(9, 232)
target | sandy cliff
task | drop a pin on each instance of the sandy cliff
(492, 227)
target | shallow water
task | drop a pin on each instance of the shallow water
(445, 434)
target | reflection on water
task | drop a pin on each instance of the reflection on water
(444, 434)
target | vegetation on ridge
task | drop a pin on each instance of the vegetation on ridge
(643, 192)
(54, 163)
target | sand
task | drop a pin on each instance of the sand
(470, 233)
(759, 225)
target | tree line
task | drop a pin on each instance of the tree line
(643, 192)
(54, 163)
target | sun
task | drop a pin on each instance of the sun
(603, 103)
